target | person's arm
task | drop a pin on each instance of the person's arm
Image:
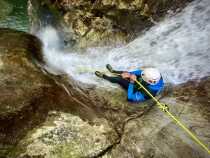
(134, 97)
(136, 72)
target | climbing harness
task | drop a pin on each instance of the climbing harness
(165, 109)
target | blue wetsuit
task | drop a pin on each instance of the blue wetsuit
(134, 93)
(139, 95)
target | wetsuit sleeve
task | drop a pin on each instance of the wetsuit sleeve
(136, 72)
(134, 97)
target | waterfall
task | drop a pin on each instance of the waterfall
(179, 46)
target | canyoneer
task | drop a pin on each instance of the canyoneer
(150, 78)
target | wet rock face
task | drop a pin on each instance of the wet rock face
(19, 77)
(100, 22)
(24, 89)
(197, 93)
(43, 115)
(156, 135)
(28, 94)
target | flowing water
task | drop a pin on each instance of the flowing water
(13, 14)
(179, 46)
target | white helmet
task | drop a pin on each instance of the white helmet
(151, 75)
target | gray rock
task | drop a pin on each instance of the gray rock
(63, 135)
(156, 135)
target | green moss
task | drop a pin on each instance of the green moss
(6, 8)
(66, 151)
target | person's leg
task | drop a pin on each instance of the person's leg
(109, 67)
(117, 72)
(114, 79)
(119, 80)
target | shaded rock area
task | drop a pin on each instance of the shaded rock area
(86, 23)
(42, 114)
(26, 93)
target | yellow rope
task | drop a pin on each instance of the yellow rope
(165, 109)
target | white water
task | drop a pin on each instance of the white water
(179, 46)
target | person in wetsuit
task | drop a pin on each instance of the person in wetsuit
(150, 78)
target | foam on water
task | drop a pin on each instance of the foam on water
(179, 46)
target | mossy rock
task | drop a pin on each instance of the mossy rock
(63, 135)
(101, 23)
(6, 9)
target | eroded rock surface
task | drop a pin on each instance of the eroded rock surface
(63, 135)
(87, 23)
(53, 113)
(27, 94)
(155, 135)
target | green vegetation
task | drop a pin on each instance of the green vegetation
(13, 14)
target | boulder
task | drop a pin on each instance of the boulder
(64, 135)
